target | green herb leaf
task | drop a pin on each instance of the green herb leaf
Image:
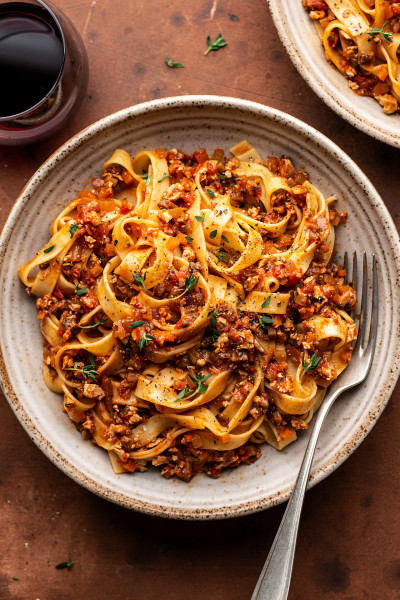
(165, 175)
(222, 255)
(201, 387)
(266, 302)
(213, 318)
(222, 176)
(310, 365)
(144, 340)
(190, 282)
(97, 324)
(72, 229)
(225, 239)
(80, 291)
(200, 219)
(386, 36)
(140, 280)
(136, 324)
(264, 321)
(65, 565)
(189, 239)
(210, 193)
(214, 335)
(217, 45)
(16, 578)
(172, 64)
(213, 234)
(49, 249)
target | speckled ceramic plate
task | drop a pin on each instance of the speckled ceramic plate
(188, 123)
(303, 45)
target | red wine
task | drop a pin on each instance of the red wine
(31, 56)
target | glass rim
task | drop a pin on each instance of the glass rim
(26, 112)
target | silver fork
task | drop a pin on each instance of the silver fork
(274, 581)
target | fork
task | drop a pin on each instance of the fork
(274, 581)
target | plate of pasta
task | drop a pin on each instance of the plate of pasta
(348, 52)
(190, 307)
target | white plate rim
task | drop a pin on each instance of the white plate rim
(332, 97)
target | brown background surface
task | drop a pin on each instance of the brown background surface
(348, 546)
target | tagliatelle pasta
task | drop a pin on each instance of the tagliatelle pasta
(189, 307)
(362, 39)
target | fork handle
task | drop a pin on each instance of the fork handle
(274, 581)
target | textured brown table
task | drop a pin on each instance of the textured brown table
(348, 545)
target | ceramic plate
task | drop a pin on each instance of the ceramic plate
(189, 123)
(303, 45)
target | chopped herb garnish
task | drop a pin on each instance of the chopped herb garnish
(214, 335)
(386, 36)
(190, 282)
(165, 175)
(49, 249)
(213, 234)
(311, 365)
(266, 302)
(16, 578)
(222, 255)
(213, 318)
(97, 324)
(222, 176)
(88, 371)
(140, 280)
(72, 229)
(136, 324)
(200, 219)
(65, 565)
(144, 340)
(225, 239)
(210, 193)
(188, 239)
(201, 387)
(172, 64)
(217, 45)
(147, 177)
(264, 321)
(80, 291)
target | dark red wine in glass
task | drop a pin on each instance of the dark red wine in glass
(43, 67)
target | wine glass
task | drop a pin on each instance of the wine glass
(44, 70)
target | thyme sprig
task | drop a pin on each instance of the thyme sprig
(80, 291)
(386, 36)
(72, 229)
(222, 255)
(140, 280)
(65, 565)
(216, 45)
(165, 175)
(201, 387)
(190, 282)
(264, 321)
(309, 365)
(87, 371)
(144, 340)
(136, 324)
(94, 325)
(174, 65)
